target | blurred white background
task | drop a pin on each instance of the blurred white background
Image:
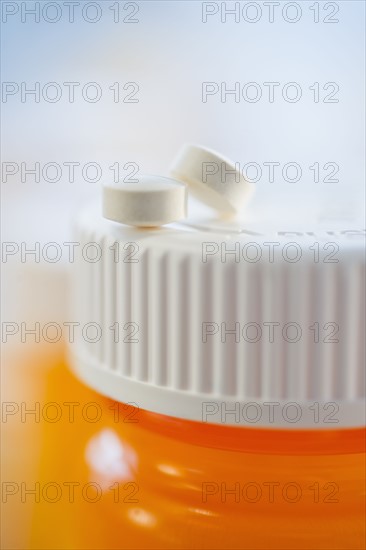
(169, 52)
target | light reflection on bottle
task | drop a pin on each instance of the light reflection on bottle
(110, 459)
(142, 517)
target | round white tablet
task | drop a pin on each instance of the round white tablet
(213, 179)
(151, 201)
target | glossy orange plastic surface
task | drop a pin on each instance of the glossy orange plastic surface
(160, 482)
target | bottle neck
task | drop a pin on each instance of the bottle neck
(245, 439)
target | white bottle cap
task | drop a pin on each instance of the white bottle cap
(150, 201)
(235, 323)
(214, 180)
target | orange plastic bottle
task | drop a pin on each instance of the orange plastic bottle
(134, 479)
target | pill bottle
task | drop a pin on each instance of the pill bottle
(214, 388)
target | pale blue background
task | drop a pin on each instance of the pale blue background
(169, 53)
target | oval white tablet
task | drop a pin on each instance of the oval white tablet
(150, 202)
(212, 179)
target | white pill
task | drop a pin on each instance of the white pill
(150, 202)
(213, 179)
